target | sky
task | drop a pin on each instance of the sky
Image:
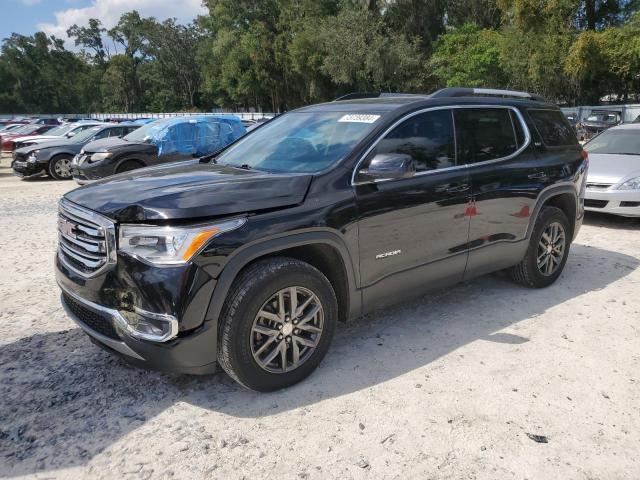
(55, 16)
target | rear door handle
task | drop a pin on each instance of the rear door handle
(458, 188)
(537, 176)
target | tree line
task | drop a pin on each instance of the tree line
(275, 55)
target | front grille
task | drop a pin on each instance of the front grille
(630, 204)
(86, 241)
(598, 186)
(91, 319)
(595, 203)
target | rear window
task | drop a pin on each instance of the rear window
(553, 128)
(485, 134)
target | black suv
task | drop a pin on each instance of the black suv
(249, 258)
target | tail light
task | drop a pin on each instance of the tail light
(585, 156)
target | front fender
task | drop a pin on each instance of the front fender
(250, 252)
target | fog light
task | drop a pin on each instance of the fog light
(154, 327)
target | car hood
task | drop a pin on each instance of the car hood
(110, 144)
(189, 190)
(61, 142)
(38, 137)
(612, 168)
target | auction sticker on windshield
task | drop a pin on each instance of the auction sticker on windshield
(359, 118)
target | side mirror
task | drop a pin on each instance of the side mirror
(388, 166)
(70, 134)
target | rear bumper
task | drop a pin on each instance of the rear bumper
(625, 203)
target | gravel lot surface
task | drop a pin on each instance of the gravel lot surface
(485, 380)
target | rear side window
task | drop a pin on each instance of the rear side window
(427, 137)
(553, 128)
(485, 134)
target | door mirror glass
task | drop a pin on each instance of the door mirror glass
(388, 166)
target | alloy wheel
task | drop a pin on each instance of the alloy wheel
(63, 168)
(551, 248)
(287, 329)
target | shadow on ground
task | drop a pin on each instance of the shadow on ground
(57, 389)
(598, 219)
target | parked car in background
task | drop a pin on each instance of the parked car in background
(598, 121)
(66, 130)
(30, 129)
(13, 121)
(613, 183)
(249, 258)
(54, 157)
(45, 121)
(162, 141)
(8, 127)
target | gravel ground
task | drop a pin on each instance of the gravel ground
(484, 380)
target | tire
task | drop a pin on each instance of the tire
(256, 291)
(60, 167)
(529, 272)
(128, 165)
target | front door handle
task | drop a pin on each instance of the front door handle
(463, 187)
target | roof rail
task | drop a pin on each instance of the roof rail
(358, 95)
(484, 92)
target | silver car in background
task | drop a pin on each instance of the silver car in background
(613, 181)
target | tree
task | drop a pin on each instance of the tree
(469, 56)
(91, 38)
(361, 53)
(173, 51)
(41, 75)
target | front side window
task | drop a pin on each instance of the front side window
(427, 137)
(553, 128)
(485, 134)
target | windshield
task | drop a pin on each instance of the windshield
(140, 134)
(60, 130)
(623, 141)
(85, 135)
(300, 142)
(27, 129)
(602, 117)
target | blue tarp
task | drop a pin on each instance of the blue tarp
(196, 135)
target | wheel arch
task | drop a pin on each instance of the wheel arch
(128, 159)
(563, 197)
(324, 250)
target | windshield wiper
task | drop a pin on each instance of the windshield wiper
(624, 153)
(244, 166)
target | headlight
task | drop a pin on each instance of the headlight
(33, 157)
(633, 184)
(160, 245)
(97, 157)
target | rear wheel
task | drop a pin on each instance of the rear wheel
(60, 167)
(547, 252)
(128, 166)
(276, 324)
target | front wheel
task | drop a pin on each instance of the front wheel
(276, 324)
(60, 167)
(547, 252)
